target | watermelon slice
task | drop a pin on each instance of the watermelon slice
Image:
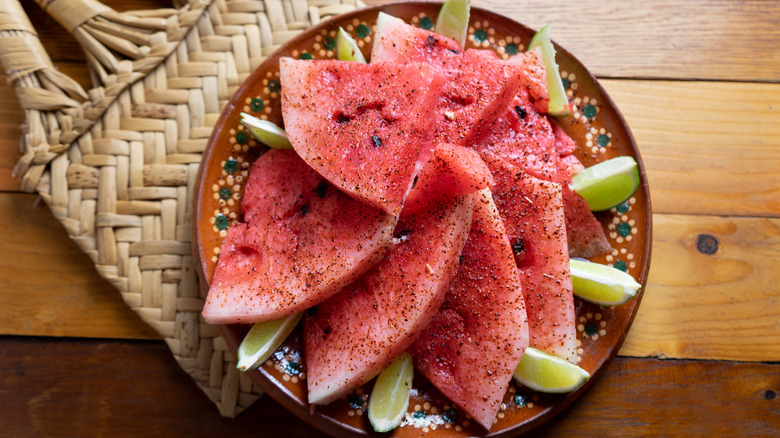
(477, 83)
(355, 334)
(530, 66)
(399, 43)
(351, 337)
(532, 210)
(365, 128)
(529, 140)
(523, 137)
(476, 340)
(303, 242)
(452, 170)
(584, 232)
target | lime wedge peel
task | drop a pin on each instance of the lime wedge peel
(547, 373)
(453, 20)
(559, 103)
(265, 132)
(263, 339)
(389, 399)
(607, 184)
(602, 284)
(347, 49)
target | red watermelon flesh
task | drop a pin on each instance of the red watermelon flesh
(523, 137)
(399, 43)
(452, 170)
(303, 241)
(477, 83)
(534, 78)
(478, 337)
(351, 337)
(584, 232)
(530, 141)
(564, 144)
(355, 334)
(532, 210)
(365, 128)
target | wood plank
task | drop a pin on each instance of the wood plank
(11, 119)
(135, 388)
(664, 398)
(686, 39)
(706, 144)
(712, 291)
(50, 287)
(117, 388)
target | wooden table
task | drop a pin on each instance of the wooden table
(697, 81)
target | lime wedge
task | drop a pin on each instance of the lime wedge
(601, 284)
(546, 373)
(608, 183)
(263, 339)
(390, 396)
(347, 49)
(559, 103)
(266, 132)
(453, 20)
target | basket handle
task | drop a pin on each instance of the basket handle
(120, 47)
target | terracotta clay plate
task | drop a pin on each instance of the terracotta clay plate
(595, 124)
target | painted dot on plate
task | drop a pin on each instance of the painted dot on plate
(355, 401)
(480, 35)
(589, 111)
(221, 222)
(362, 31)
(623, 229)
(426, 23)
(231, 166)
(621, 265)
(306, 56)
(603, 140)
(511, 48)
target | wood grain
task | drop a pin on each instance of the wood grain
(712, 290)
(49, 286)
(686, 39)
(51, 387)
(11, 118)
(709, 147)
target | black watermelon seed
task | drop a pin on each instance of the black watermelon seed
(520, 112)
(322, 189)
(518, 246)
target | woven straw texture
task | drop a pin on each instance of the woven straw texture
(117, 163)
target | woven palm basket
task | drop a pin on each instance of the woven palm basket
(117, 163)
